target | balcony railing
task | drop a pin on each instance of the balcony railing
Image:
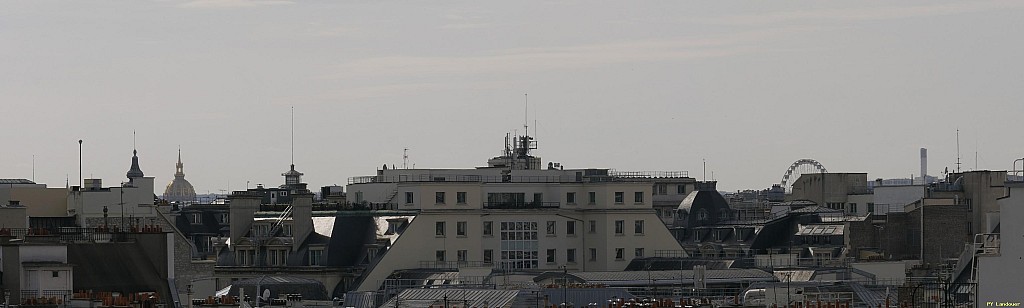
(522, 205)
(648, 174)
(454, 264)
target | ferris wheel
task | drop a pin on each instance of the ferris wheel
(801, 166)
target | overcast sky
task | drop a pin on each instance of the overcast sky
(749, 86)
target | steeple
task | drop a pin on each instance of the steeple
(135, 171)
(179, 170)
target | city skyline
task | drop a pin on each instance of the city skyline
(748, 89)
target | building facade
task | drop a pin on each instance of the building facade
(514, 216)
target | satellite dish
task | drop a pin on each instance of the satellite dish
(266, 294)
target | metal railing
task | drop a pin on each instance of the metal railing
(77, 234)
(454, 264)
(648, 174)
(45, 297)
(613, 176)
(521, 205)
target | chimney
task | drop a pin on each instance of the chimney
(924, 166)
(302, 216)
(242, 208)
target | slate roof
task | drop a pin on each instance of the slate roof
(670, 277)
(422, 298)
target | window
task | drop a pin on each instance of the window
(439, 255)
(460, 228)
(702, 215)
(593, 226)
(488, 256)
(225, 218)
(487, 228)
(460, 197)
(462, 255)
(853, 208)
(570, 198)
(519, 245)
(638, 197)
(620, 225)
(196, 218)
(668, 213)
(538, 198)
(439, 197)
(620, 253)
(592, 198)
(276, 257)
(550, 255)
(570, 255)
(619, 196)
(638, 252)
(551, 228)
(871, 208)
(681, 189)
(593, 254)
(661, 189)
(315, 256)
(570, 227)
(439, 229)
(55, 274)
(638, 227)
(408, 197)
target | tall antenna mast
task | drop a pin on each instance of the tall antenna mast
(293, 135)
(34, 167)
(958, 150)
(405, 158)
(526, 115)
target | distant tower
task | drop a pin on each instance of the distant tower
(924, 166)
(134, 172)
(179, 190)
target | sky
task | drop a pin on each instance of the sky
(747, 87)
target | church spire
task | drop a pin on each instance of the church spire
(179, 170)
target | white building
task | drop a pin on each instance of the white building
(999, 264)
(36, 271)
(122, 206)
(514, 215)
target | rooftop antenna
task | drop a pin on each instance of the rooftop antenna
(79, 163)
(293, 135)
(404, 158)
(526, 115)
(704, 163)
(958, 150)
(33, 167)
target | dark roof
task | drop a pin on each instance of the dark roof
(703, 198)
(422, 298)
(349, 236)
(662, 264)
(16, 181)
(122, 267)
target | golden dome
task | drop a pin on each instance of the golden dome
(179, 190)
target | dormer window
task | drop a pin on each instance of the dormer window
(702, 215)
